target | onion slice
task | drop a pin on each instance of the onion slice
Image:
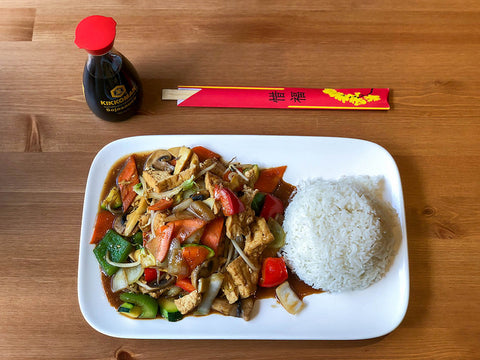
(120, 265)
(204, 171)
(146, 287)
(287, 297)
(214, 286)
(243, 255)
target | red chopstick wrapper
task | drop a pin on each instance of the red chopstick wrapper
(280, 98)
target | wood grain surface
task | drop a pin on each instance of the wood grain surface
(427, 52)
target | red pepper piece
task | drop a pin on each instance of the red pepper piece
(231, 204)
(274, 272)
(150, 274)
(271, 207)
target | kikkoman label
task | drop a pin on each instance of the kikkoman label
(123, 99)
(118, 91)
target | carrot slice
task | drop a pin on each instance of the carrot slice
(185, 284)
(126, 180)
(185, 228)
(103, 223)
(269, 179)
(161, 204)
(212, 235)
(195, 255)
(204, 153)
(160, 244)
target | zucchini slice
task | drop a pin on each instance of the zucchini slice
(169, 310)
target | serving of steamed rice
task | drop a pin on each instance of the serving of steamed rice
(340, 234)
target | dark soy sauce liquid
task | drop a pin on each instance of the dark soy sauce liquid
(108, 72)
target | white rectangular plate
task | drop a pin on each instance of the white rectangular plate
(363, 314)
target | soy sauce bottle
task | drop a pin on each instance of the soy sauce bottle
(111, 85)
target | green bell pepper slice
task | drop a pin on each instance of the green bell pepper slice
(118, 249)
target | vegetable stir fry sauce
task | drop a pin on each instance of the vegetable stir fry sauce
(182, 231)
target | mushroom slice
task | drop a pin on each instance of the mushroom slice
(159, 160)
(203, 270)
(119, 224)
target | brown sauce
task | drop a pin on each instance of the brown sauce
(284, 192)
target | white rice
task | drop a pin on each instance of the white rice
(340, 236)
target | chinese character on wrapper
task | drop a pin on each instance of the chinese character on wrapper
(276, 96)
(297, 96)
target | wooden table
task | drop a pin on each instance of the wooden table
(426, 51)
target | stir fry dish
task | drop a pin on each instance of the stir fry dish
(184, 232)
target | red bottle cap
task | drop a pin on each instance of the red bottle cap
(95, 34)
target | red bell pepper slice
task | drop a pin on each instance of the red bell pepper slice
(274, 272)
(231, 204)
(126, 180)
(150, 274)
(271, 207)
(269, 179)
(103, 223)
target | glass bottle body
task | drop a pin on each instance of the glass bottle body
(111, 86)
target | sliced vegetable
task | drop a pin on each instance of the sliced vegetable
(277, 232)
(269, 179)
(161, 204)
(185, 228)
(212, 235)
(118, 248)
(103, 223)
(214, 287)
(274, 272)
(130, 310)
(137, 238)
(119, 281)
(159, 245)
(243, 255)
(201, 210)
(271, 207)
(120, 264)
(148, 304)
(257, 203)
(113, 200)
(146, 258)
(126, 276)
(289, 300)
(126, 180)
(150, 274)
(185, 284)
(138, 188)
(132, 218)
(195, 254)
(204, 153)
(231, 204)
(169, 310)
(133, 273)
